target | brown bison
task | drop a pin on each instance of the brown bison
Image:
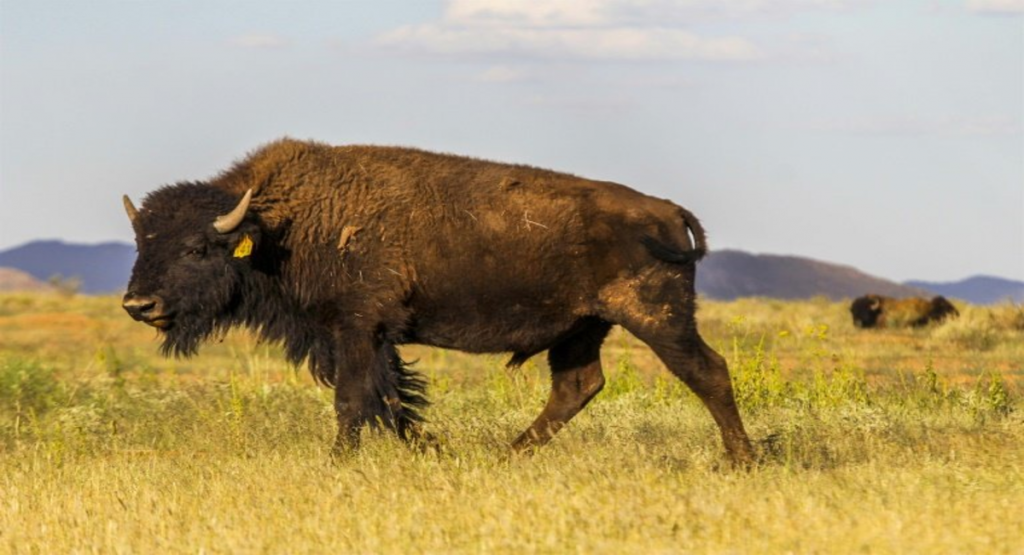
(342, 253)
(876, 311)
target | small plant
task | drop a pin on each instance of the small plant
(925, 391)
(624, 380)
(28, 391)
(66, 286)
(1009, 316)
(514, 385)
(996, 397)
(107, 358)
(27, 388)
(757, 378)
(976, 330)
(930, 379)
(845, 384)
(668, 389)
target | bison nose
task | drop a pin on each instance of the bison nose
(145, 308)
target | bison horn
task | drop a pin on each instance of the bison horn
(226, 223)
(133, 214)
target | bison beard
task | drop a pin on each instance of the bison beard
(342, 253)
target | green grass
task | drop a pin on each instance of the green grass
(900, 441)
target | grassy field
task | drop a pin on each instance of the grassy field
(892, 441)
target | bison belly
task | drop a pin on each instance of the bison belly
(508, 326)
(500, 297)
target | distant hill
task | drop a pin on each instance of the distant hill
(977, 290)
(102, 268)
(725, 275)
(729, 274)
(12, 279)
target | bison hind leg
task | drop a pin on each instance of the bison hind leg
(705, 372)
(658, 308)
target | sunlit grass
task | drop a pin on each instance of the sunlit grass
(896, 441)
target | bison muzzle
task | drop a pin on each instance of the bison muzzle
(343, 253)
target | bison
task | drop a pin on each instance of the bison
(342, 253)
(876, 311)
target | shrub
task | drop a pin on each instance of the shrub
(27, 388)
(975, 329)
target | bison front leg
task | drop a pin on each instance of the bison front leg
(373, 387)
(354, 395)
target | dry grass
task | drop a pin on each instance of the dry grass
(879, 442)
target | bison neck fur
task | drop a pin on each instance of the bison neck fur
(345, 252)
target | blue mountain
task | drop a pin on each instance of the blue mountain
(977, 289)
(102, 268)
(725, 274)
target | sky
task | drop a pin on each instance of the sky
(885, 135)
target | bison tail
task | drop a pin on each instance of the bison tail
(675, 255)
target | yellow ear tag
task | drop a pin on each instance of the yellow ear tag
(244, 247)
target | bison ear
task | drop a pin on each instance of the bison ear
(244, 247)
(245, 244)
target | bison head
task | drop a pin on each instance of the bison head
(195, 244)
(940, 309)
(866, 311)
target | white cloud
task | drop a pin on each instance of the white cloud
(996, 6)
(570, 29)
(519, 13)
(505, 74)
(615, 43)
(260, 41)
(607, 30)
(605, 13)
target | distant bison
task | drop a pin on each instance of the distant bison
(876, 311)
(342, 253)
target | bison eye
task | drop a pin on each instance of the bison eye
(196, 252)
